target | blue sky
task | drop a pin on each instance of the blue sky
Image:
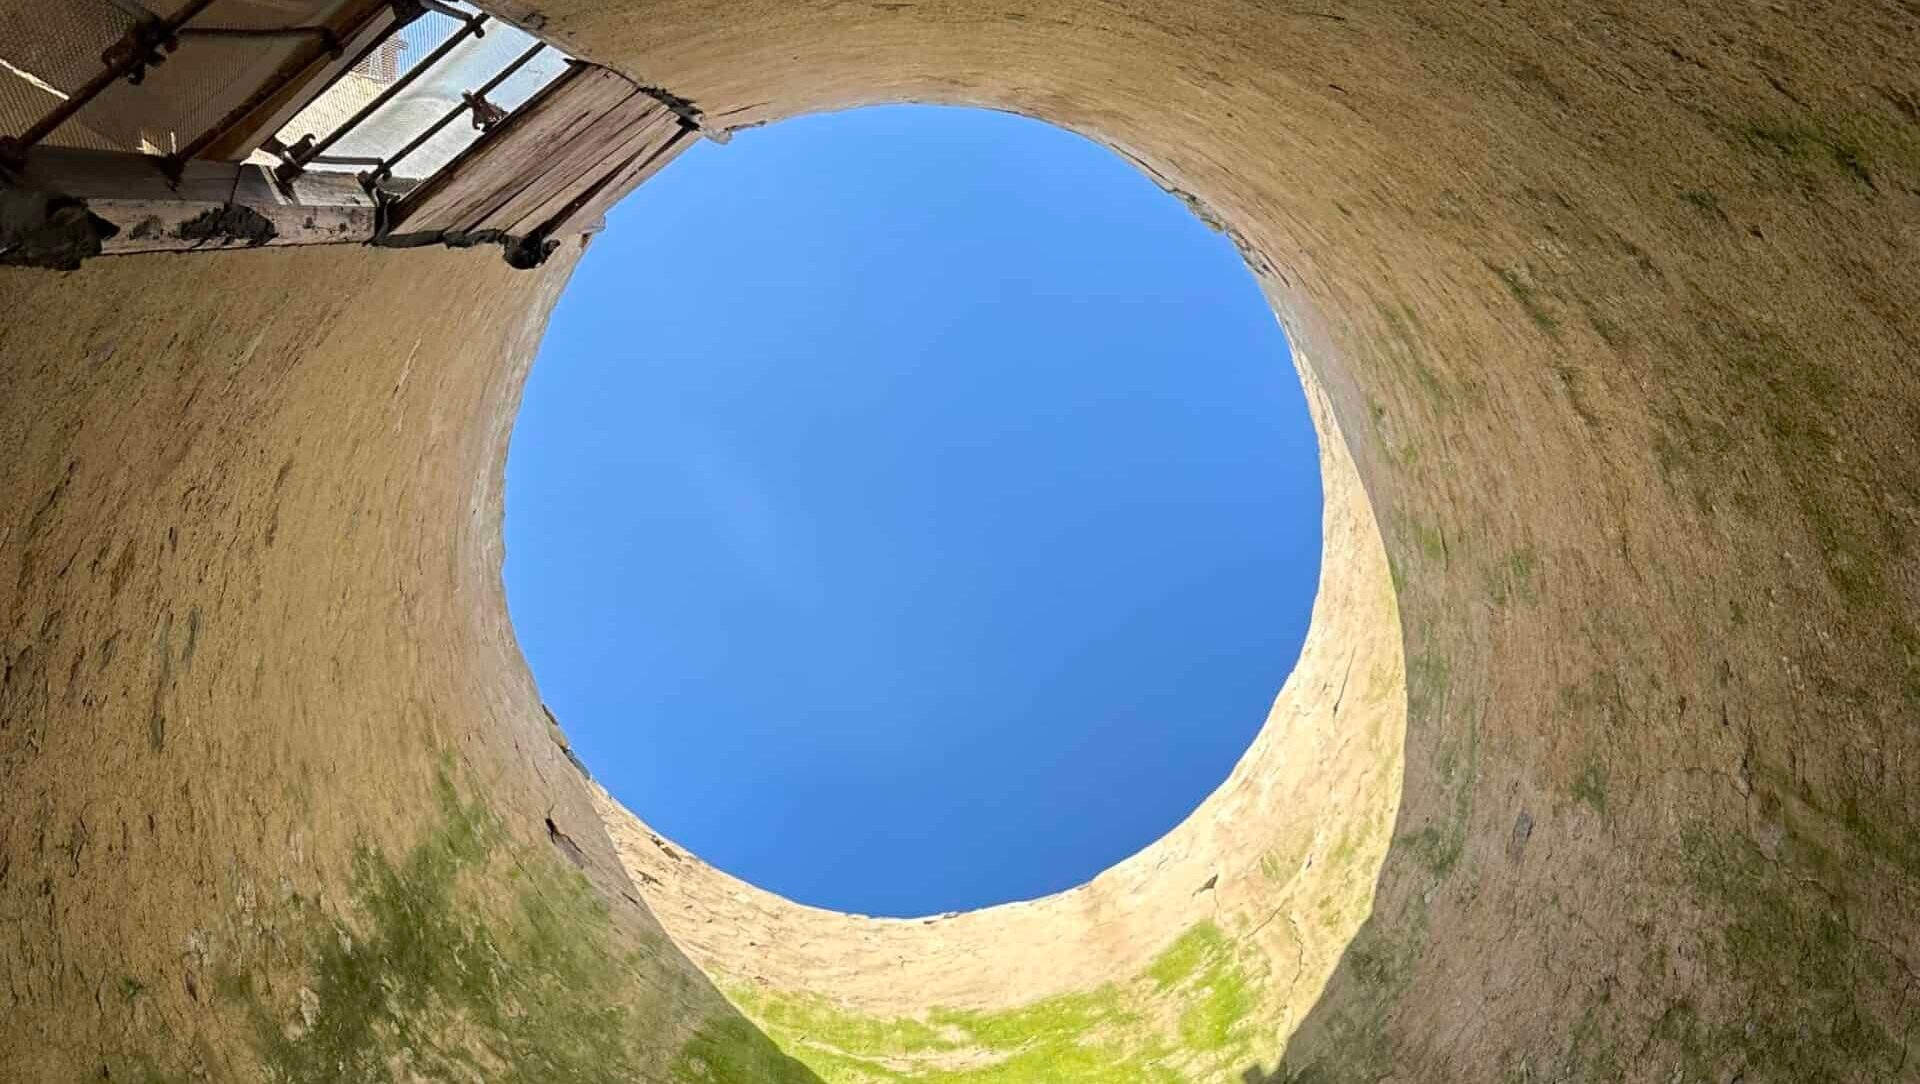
(911, 509)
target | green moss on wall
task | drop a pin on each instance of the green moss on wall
(469, 957)
(1590, 788)
(1812, 991)
(1456, 764)
(1512, 579)
(1188, 1018)
(1210, 1022)
(1187, 955)
(1521, 284)
(728, 1050)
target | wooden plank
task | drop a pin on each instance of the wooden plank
(198, 226)
(475, 180)
(475, 175)
(91, 174)
(586, 217)
(567, 167)
(540, 156)
(646, 139)
(584, 164)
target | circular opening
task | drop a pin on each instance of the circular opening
(912, 509)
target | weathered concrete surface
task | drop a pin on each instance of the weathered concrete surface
(1614, 308)
(277, 784)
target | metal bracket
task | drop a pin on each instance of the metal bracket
(485, 113)
(528, 253)
(145, 45)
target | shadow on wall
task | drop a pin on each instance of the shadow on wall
(249, 828)
(1652, 825)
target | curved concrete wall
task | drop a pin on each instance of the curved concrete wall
(1612, 307)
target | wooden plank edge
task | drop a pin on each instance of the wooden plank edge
(617, 185)
(424, 195)
(636, 129)
(516, 158)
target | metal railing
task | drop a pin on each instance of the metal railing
(308, 150)
(386, 131)
(486, 114)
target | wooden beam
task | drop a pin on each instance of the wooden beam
(68, 204)
(553, 167)
(496, 165)
(591, 214)
(574, 166)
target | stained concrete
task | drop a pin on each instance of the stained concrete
(1612, 309)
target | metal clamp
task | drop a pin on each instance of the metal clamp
(145, 45)
(485, 113)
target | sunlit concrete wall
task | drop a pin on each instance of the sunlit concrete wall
(1612, 307)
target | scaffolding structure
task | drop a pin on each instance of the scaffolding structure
(205, 124)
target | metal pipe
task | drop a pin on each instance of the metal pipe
(136, 9)
(386, 168)
(450, 11)
(268, 33)
(471, 27)
(142, 45)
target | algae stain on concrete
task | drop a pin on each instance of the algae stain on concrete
(728, 1050)
(1189, 1017)
(1815, 995)
(469, 957)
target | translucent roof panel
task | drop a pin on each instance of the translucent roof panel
(469, 66)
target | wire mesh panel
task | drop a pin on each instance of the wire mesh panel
(25, 98)
(46, 55)
(528, 75)
(59, 47)
(203, 81)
